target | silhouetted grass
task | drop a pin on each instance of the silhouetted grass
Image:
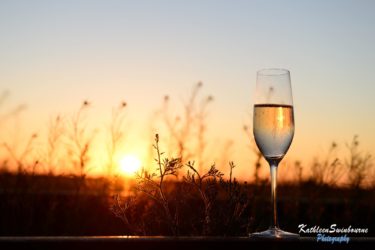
(210, 204)
(181, 193)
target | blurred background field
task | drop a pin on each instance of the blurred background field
(52, 191)
(52, 205)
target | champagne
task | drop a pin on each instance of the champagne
(273, 129)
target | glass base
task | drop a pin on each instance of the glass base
(274, 233)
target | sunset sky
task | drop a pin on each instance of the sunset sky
(55, 54)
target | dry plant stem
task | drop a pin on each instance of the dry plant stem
(155, 189)
(19, 159)
(164, 201)
(201, 123)
(358, 164)
(191, 124)
(121, 209)
(171, 125)
(55, 132)
(116, 135)
(198, 183)
(189, 111)
(231, 166)
(236, 196)
(258, 154)
(206, 201)
(77, 140)
(329, 170)
(80, 145)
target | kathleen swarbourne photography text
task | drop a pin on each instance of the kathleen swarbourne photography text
(334, 228)
(332, 234)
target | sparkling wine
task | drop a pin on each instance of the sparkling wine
(273, 129)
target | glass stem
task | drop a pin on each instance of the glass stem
(274, 222)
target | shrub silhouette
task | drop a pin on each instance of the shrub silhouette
(181, 193)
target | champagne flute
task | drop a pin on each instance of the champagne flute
(273, 128)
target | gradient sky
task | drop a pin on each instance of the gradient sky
(54, 54)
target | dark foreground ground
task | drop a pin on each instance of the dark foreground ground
(58, 206)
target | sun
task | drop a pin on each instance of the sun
(129, 164)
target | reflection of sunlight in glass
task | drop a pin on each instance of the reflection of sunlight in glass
(280, 118)
(129, 164)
